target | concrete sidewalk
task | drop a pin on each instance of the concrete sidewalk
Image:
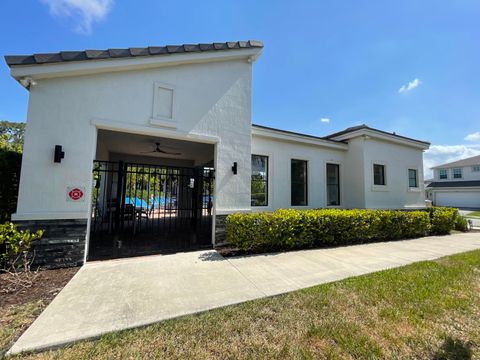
(121, 294)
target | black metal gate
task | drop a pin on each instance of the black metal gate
(140, 209)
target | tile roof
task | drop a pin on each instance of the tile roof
(366, 127)
(64, 56)
(443, 184)
(474, 160)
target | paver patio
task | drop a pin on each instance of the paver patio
(121, 294)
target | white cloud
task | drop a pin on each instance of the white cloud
(441, 154)
(473, 136)
(410, 86)
(325, 120)
(82, 12)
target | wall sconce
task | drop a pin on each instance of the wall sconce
(234, 168)
(59, 154)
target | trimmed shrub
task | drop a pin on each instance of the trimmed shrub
(461, 223)
(296, 229)
(14, 244)
(442, 219)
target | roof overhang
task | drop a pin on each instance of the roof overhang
(456, 188)
(370, 133)
(297, 138)
(76, 68)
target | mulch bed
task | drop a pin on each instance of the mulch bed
(22, 288)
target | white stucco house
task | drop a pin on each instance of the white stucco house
(456, 184)
(143, 150)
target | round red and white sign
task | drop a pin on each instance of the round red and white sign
(75, 194)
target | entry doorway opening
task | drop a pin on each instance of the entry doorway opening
(150, 195)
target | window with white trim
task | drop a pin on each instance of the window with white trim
(259, 184)
(333, 184)
(476, 168)
(443, 174)
(457, 173)
(378, 174)
(412, 178)
(299, 176)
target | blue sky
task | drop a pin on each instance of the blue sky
(405, 66)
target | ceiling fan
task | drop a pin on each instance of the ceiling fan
(158, 149)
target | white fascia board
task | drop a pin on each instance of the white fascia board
(384, 137)
(305, 140)
(457, 189)
(75, 68)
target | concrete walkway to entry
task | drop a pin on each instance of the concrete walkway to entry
(121, 294)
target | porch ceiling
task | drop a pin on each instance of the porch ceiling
(141, 145)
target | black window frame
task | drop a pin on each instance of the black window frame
(267, 165)
(337, 184)
(445, 176)
(415, 178)
(383, 175)
(455, 175)
(304, 184)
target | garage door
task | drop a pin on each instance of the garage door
(458, 199)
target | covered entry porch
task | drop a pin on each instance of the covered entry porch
(150, 195)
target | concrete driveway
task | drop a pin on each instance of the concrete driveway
(475, 220)
(121, 294)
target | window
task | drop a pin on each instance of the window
(476, 168)
(333, 184)
(412, 178)
(378, 174)
(443, 174)
(299, 182)
(259, 183)
(457, 173)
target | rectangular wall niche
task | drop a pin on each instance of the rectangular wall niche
(163, 105)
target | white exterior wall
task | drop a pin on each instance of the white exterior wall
(280, 154)
(397, 159)
(356, 173)
(467, 174)
(212, 103)
(354, 178)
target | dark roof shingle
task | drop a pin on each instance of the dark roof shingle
(455, 184)
(19, 60)
(297, 133)
(366, 127)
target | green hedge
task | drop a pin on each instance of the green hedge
(295, 229)
(442, 219)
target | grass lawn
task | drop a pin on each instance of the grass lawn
(23, 297)
(474, 214)
(425, 310)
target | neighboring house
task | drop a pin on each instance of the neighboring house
(456, 184)
(144, 150)
(428, 191)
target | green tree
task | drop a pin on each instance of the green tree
(11, 136)
(11, 147)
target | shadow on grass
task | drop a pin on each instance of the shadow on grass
(453, 349)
